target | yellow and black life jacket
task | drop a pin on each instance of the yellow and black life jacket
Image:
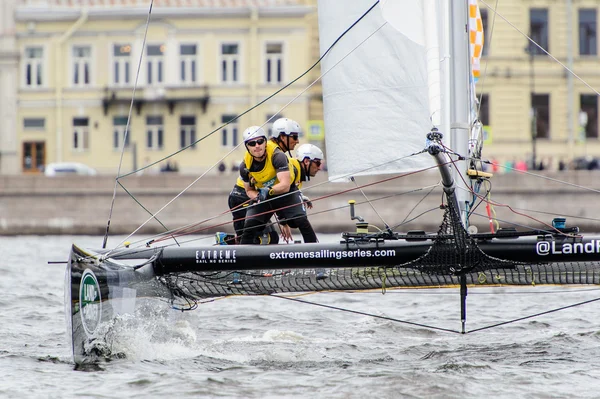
(239, 182)
(295, 172)
(267, 177)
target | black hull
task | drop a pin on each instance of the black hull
(97, 292)
(536, 250)
(185, 275)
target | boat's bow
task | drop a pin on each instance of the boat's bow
(96, 290)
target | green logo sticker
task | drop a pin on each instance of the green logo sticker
(90, 302)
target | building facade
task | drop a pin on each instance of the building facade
(9, 67)
(203, 63)
(534, 108)
(68, 69)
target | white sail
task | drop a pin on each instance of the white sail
(375, 91)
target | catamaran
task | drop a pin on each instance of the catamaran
(399, 98)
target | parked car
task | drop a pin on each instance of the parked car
(68, 168)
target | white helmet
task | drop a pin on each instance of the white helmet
(253, 132)
(285, 126)
(309, 151)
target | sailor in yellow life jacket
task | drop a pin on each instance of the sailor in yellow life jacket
(274, 188)
(284, 134)
(305, 165)
(239, 201)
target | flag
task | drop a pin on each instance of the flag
(475, 37)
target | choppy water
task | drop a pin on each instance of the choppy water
(267, 347)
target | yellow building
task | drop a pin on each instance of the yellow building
(515, 81)
(204, 62)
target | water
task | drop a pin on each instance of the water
(266, 347)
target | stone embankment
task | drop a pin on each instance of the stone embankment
(78, 205)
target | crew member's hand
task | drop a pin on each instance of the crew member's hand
(263, 193)
(307, 201)
(286, 233)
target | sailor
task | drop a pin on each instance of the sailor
(308, 162)
(285, 133)
(275, 189)
(239, 201)
(309, 158)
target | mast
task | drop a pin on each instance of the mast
(460, 97)
(457, 96)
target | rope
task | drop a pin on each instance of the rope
(541, 48)
(137, 75)
(191, 229)
(367, 314)
(370, 204)
(534, 315)
(434, 327)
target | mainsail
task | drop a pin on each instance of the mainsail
(375, 88)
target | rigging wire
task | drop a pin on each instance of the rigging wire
(541, 48)
(494, 203)
(260, 103)
(316, 199)
(366, 314)
(534, 315)
(275, 93)
(566, 183)
(189, 229)
(531, 316)
(387, 227)
(137, 75)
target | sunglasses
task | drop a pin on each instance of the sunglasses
(252, 143)
(317, 162)
(294, 136)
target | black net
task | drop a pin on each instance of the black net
(453, 254)
(189, 287)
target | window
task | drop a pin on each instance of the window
(119, 128)
(540, 104)
(229, 133)
(587, 32)
(484, 23)
(187, 54)
(538, 30)
(34, 123)
(121, 64)
(484, 109)
(81, 134)
(155, 63)
(589, 122)
(187, 132)
(273, 66)
(82, 59)
(229, 62)
(154, 132)
(33, 66)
